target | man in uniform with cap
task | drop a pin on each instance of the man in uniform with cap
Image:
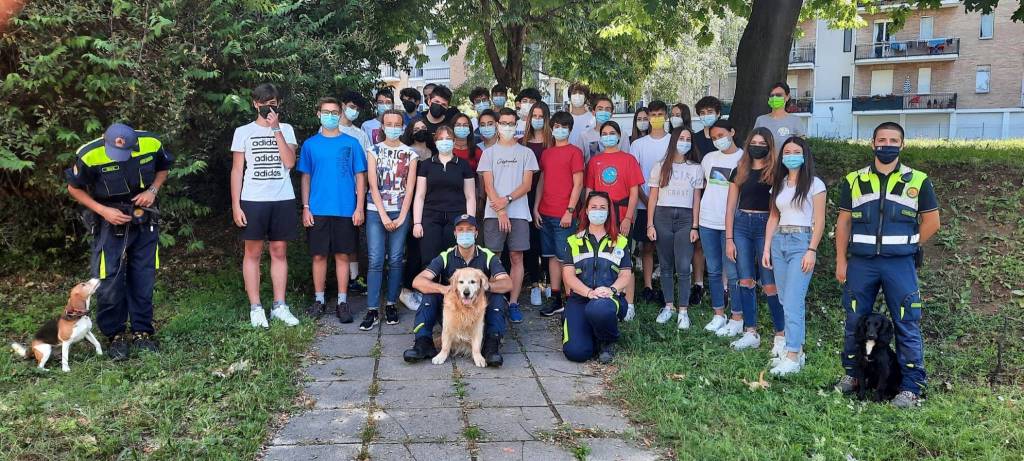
(117, 178)
(466, 253)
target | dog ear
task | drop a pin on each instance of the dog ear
(862, 323)
(485, 284)
(885, 335)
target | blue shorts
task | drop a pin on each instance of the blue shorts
(554, 238)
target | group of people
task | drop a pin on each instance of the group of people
(571, 187)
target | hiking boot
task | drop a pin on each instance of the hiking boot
(371, 320)
(119, 347)
(515, 315)
(422, 349)
(357, 286)
(905, 399)
(847, 384)
(492, 344)
(607, 353)
(391, 314)
(696, 294)
(343, 313)
(554, 307)
(144, 342)
(316, 310)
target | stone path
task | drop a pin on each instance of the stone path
(365, 402)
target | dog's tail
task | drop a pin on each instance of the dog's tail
(19, 350)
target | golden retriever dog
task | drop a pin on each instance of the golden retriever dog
(465, 304)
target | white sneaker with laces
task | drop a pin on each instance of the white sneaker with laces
(778, 346)
(408, 299)
(716, 322)
(258, 318)
(665, 315)
(777, 360)
(731, 328)
(535, 298)
(630, 313)
(284, 314)
(749, 340)
(787, 366)
(683, 323)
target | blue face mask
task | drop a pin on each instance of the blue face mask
(560, 133)
(602, 116)
(793, 161)
(499, 101)
(597, 216)
(465, 239)
(709, 119)
(392, 132)
(887, 154)
(445, 145)
(330, 121)
(351, 114)
(537, 123)
(461, 132)
(381, 108)
(610, 140)
(482, 106)
(722, 143)
(683, 146)
(487, 131)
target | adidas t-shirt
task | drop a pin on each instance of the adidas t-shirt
(265, 179)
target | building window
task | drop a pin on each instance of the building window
(982, 79)
(988, 26)
(847, 40)
(926, 31)
(844, 91)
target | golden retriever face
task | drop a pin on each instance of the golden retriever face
(469, 283)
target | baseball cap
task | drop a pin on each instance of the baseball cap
(120, 140)
(464, 218)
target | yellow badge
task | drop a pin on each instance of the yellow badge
(912, 192)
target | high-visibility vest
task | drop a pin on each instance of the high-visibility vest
(597, 267)
(884, 221)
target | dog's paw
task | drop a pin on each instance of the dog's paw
(479, 361)
(65, 369)
(438, 359)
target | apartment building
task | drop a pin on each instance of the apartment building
(946, 74)
(436, 69)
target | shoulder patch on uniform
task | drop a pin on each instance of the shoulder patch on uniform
(912, 192)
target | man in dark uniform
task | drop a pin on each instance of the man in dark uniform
(118, 177)
(465, 254)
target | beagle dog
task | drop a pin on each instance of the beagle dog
(71, 327)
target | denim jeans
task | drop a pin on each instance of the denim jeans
(713, 242)
(787, 253)
(381, 245)
(675, 251)
(748, 236)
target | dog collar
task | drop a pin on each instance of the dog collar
(74, 315)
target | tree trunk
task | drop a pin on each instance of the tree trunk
(515, 49)
(762, 59)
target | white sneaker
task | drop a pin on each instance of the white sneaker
(778, 346)
(258, 318)
(749, 340)
(284, 314)
(408, 299)
(630, 313)
(716, 322)
(730, 329)
(535, 298)
(683, 323)
(777, 360)
(787, 366)
(665, 315)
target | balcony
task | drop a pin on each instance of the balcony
(939, 102)
(389, 73)
(801, 57)
(936, 49)
(440, 73)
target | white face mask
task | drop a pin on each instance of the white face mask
(524, 109)
(643, 125)
(723, 143)
(507, 132)
(677, 122)
(577, 100)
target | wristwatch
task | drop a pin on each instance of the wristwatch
(614, 291)
(509, 198)
(571, 209)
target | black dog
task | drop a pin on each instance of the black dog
(876, 361)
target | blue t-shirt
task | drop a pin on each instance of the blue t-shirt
(332, 164)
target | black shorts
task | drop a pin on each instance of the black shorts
(274, 221)
(331, 235)
(638, 233)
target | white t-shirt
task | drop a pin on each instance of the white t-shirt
(686, 177)
(393, 164)
(266, 179)
(717, 169)
(791, 214)
(581, 123)
(507, 165)
(357, 133)
(648, 151)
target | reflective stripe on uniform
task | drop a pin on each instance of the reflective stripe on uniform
(158, 256)
(576, 258)
(905, 201)
(414, 330)
(565, 331)
(886, 239)
(865, 199)
(103, 265)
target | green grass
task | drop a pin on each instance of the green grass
(165, 406)
(686, 388)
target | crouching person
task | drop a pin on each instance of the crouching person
(595, 272)
(434, 281)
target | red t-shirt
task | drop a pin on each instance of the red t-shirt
(558, 164)
(464, 154)
(614, 173)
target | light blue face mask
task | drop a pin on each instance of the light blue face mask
(793, 161)
(351, 114)
(602, 116)
(487, 131)
(330, 121)
(482, 106)
(499, 101)
(537, 123)
(683, 146)
(597, 216)
(461, 132)
(560, 133)
(392, 132)
(610, 140)
(709, 119)
(465, 239)
(722, 143)
(445, 145)
(381, 108)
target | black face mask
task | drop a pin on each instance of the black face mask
(265, 110)
(758, 152)
(421, 136)
(409, 106)
(437, 110)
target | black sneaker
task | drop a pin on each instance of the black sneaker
(119, 347)
(370, 320)
(554, 307)
(492, 344)
(696, 294)
(316, 309)
(607, 353)
(343, 312)
(391, 314)
(422, 349)
(357, 286)
(144, 342)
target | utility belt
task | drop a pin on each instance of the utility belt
(140, 216)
